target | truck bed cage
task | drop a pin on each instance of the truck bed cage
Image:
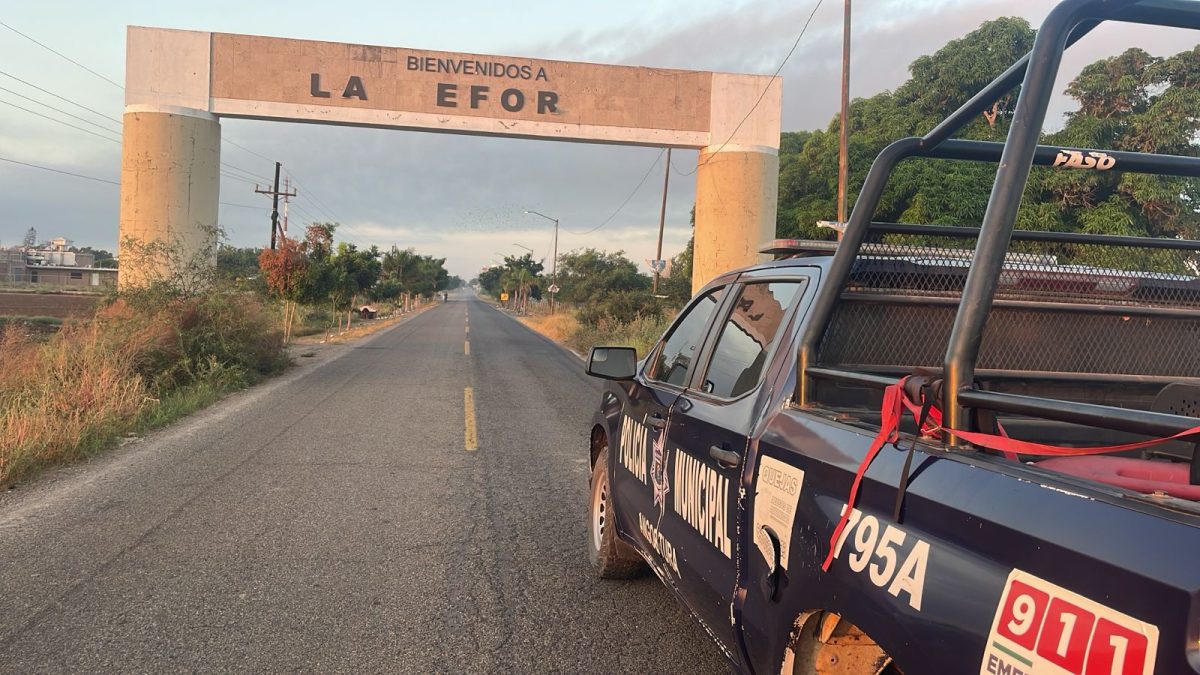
(976, 290)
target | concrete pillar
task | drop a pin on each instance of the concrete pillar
(170, 186)
(737, 195)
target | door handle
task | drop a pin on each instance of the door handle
(726, 458)
(656, 422)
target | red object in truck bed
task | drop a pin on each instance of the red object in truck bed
(1141, 475)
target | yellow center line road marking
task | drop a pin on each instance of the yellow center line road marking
(467, 347)
(470, 442)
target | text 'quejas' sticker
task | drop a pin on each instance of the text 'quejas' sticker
(776, 493)
(1043, 629)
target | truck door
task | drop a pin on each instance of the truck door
(636, 479)
(707, 437)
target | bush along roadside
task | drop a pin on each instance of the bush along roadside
(604, 299)
(144, 360)
(583, 330)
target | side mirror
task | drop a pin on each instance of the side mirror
(612, 363)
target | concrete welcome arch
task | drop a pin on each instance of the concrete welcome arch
(180, 83)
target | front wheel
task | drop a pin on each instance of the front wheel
(613, 558)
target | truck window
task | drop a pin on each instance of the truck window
(674, 360)
(746, 338)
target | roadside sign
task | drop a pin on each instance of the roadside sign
(657, 265)
(504, 297)
(553, 288)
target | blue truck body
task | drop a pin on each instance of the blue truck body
(726, 457)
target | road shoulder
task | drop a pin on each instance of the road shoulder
(55, 484)
(535, 331)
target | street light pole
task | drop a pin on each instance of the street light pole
(662, 219)
(554, 261)
(844, 121)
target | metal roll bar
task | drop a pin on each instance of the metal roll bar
(1066, 24)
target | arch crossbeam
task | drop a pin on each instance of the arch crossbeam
(180, 83)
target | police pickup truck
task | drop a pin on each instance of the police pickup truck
(929, 449)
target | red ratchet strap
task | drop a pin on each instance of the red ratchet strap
(895, 400)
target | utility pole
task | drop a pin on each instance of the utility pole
(554, 267)
(554, 261)
(843, 133)
(275, 195)
(287, 198)
(662, 219)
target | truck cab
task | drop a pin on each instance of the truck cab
(928, 448)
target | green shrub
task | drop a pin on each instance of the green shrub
(641, 333)
(620, 306)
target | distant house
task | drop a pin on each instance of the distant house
(54, 265)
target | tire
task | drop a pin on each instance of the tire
(613, 558)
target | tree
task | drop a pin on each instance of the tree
(603, 284)
(492, 280)
(936, 192)
(519, 280)
(286, 270)
(30, 240)
(677, 285)
(232, 262)
(415, 274)
(1132, 101)
(355, 272)
(489, 280)
(587, 273)
(318, 282)
(533, 267)
(386, 290)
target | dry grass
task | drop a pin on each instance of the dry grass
(641, 333)
(566, 328)
(558, 327)
(126, 369)
(60, 399)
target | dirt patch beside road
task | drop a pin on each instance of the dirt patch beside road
(59, 305)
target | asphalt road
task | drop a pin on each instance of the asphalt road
(334, 520)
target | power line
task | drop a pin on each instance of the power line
(242, 147)
(234, 176)
(105, 180)
(316, 201)
(60, 54)
(119, 86)
(66, 124)
(226, 174)
(241, 206)
(251, 174)
(61, 112)
(65, 173)
(95, 112)
(774, 76)
(57, 96)
(327, 214)
(631, 194)
(345, 230)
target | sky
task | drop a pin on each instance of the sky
(458, 197)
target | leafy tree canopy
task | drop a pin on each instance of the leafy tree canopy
(1133, 101)
(587, 273)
